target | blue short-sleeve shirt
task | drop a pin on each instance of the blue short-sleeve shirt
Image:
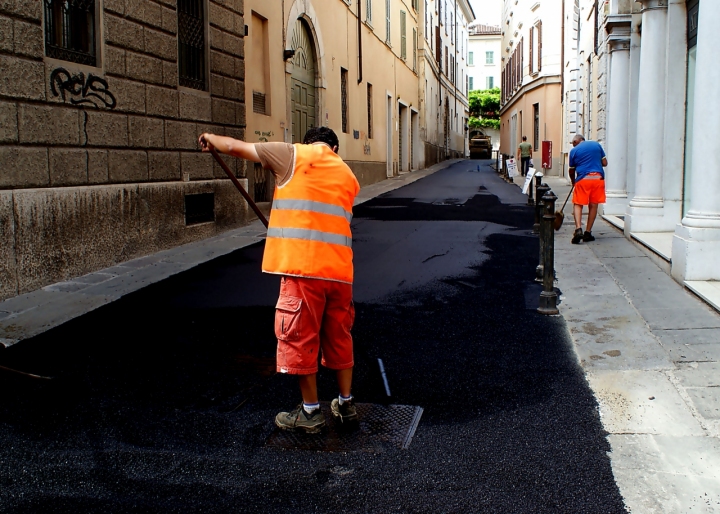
(587, 158)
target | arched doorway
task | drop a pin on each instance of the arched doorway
(303, 91)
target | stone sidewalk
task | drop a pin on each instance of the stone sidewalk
(28, 315)
(651, 352)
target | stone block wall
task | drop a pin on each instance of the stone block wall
(96, 161)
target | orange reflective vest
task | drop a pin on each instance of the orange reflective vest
(309, 228)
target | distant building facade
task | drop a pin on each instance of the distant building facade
(443, 79)
(531, 98)
(101, 104)
(484, 57)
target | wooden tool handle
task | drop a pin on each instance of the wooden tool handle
(235, 181)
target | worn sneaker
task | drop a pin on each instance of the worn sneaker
(577, 236)
(310, 423)
(587, 237)
(346, 412)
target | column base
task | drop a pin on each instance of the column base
(694, 253)
(615, 204)
(652, 219)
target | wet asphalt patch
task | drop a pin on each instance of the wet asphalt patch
(164, 400)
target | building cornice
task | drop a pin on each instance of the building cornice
(539, 82)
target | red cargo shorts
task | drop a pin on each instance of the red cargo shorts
(313, 315)
(589, 190)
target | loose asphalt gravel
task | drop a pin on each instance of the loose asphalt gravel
(164, 400)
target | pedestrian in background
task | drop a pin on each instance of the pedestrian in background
(309, 244)
(524, 153)
(587, 160)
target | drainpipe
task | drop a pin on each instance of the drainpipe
(360, 66)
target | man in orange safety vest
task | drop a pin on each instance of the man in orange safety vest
(309, 244)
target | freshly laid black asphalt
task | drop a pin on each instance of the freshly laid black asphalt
(164, 401)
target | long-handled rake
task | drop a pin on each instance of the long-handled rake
(235, 181)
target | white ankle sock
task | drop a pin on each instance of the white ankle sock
(309, 407)
(342, 399)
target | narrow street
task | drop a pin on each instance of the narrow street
(164, 400)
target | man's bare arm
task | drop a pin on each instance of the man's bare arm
(229, 146)
(604, 161)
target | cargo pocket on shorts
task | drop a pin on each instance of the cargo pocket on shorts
(287, 318)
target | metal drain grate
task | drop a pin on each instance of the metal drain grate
(380, 426)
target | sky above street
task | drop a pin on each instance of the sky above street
(487, 11)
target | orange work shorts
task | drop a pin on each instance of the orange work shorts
(589, 191)
(313, 315)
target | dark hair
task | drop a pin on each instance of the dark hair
(524, 138)
(321, 135)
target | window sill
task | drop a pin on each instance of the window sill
(193, 91)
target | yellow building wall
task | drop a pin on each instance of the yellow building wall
(548, 96)
(334, 29)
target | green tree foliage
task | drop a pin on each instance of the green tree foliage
(484, 108)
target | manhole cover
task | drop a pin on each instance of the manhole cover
(380, 426)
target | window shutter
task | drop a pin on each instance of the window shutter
(403, 37)
(414, 49)
(539, 50)
(532, 46)
(387, 21)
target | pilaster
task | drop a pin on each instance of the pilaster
(696, 245)
(618, 28)
(645, 211)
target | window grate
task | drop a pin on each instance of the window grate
(260, 183)
(199, 208)
(191, 44)
(344, 98)
(259, 105)
(70, 30)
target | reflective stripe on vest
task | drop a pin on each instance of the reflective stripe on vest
(313, 206)
(310, 235)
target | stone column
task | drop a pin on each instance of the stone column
(696, 245)
(618, 92)
(645, 210)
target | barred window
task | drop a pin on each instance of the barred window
(70, 30)
(344, 98)
(191, 43)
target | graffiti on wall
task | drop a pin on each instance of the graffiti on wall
(263, 136)
(81, 90)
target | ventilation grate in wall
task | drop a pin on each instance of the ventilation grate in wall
(199, 208)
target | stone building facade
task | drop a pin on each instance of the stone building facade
(659, 94)
(101, 104)
(584, 73)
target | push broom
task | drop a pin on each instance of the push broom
(560, 215)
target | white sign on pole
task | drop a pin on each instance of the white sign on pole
(528, 180)
(512, 168)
